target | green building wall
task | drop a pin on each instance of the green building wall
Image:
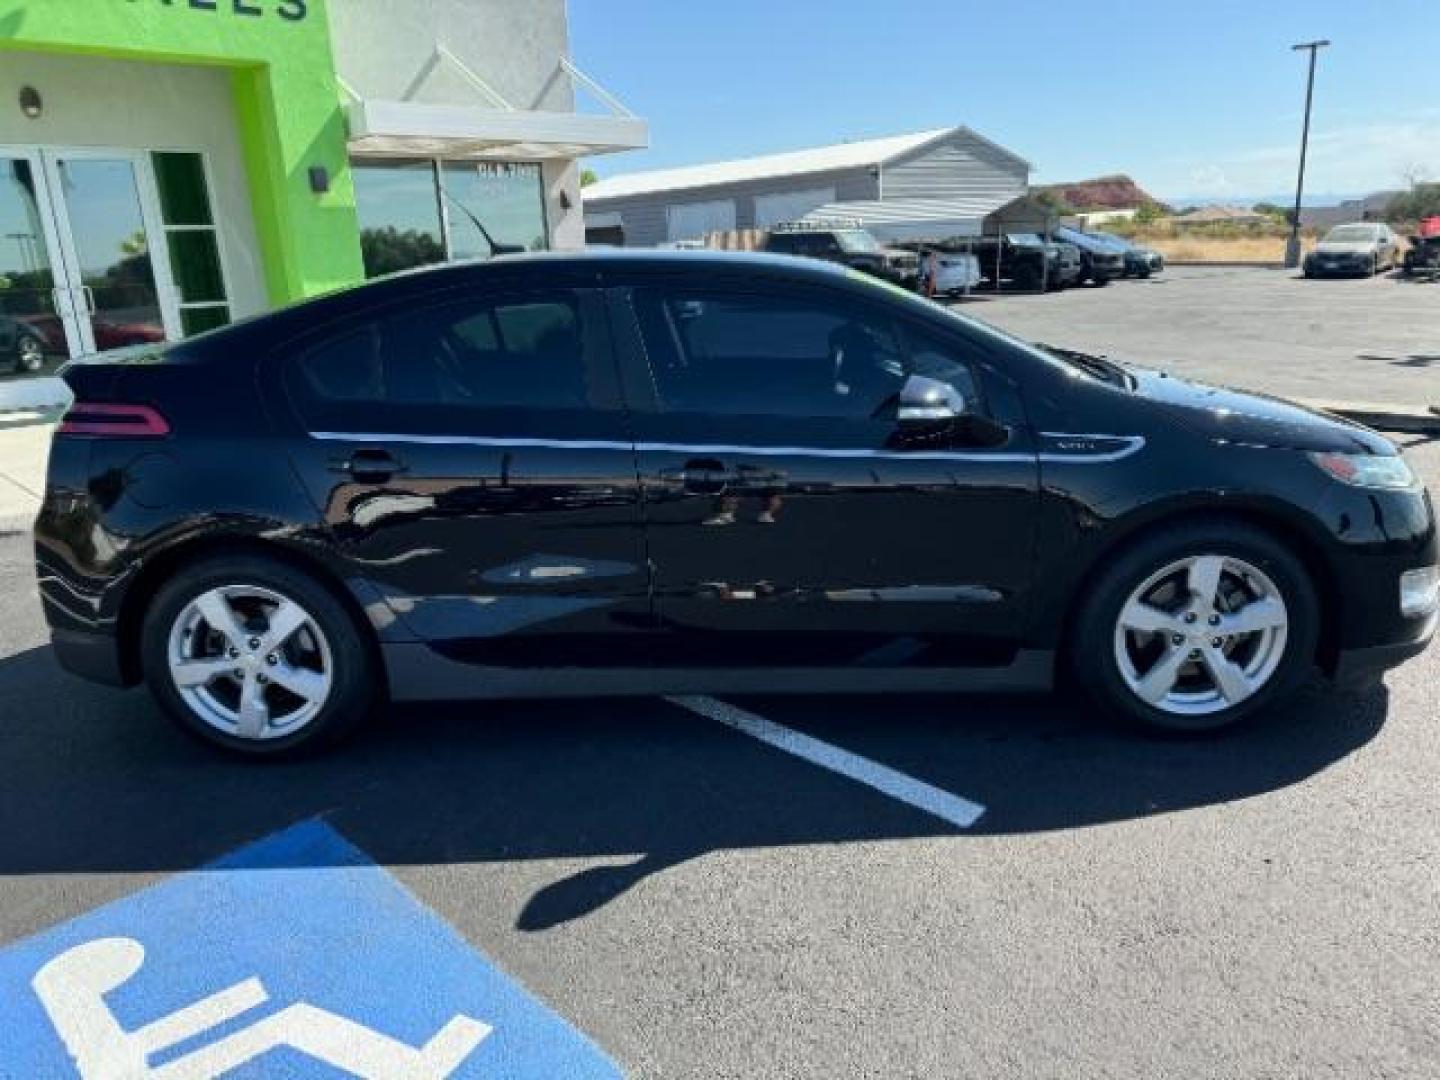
(287, 104)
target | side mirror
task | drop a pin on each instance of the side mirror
(925, 400)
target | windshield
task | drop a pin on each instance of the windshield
(1027, 239)
(857, 241)
(1076, 237)
(1351, 234)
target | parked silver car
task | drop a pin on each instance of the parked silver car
(1361, 249)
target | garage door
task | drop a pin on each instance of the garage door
(691, 221)
(771, 210)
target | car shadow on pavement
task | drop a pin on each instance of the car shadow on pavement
(95, 781)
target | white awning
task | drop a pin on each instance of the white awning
(916, 219)
(464, 132)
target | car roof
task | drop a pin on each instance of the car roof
(566, 269)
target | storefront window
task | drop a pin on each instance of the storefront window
(494, 204)
(415, 213)
(400, 222)
(32, 334)
(191, 239)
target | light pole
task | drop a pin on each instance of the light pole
(1292, 246)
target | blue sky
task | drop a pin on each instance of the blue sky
(1198, 101)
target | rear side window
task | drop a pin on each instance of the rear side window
(527, 352)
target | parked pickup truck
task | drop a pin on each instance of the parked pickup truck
(1101, 262)
(847, 244)
(1024, 261)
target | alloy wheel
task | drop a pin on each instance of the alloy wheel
(250, 663)
(1202, 635)
(31, 355)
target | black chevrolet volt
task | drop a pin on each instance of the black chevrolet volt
(647, 473)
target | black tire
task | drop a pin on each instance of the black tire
(1091, 650)
(354, 687)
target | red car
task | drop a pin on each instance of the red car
(108, 334)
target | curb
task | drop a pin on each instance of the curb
(1418, 421)
(16, 524)
(20, 418)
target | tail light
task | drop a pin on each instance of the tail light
(114, 421)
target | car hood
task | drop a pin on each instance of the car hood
(1345, 247)
(1237, 416)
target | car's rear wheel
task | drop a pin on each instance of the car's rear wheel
(1197, 627)
(256, 657)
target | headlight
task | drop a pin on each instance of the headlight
(1420, 592)
(1367, 470)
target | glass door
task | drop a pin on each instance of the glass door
(38, 328)
(112, 243)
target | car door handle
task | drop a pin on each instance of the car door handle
(369, 466)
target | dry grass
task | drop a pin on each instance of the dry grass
(1195, 249)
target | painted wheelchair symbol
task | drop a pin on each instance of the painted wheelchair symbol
(72, 987)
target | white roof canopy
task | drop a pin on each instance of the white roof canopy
(412, 129)
(916, 219)
(497, 130)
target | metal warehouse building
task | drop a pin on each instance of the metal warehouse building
(929, 185)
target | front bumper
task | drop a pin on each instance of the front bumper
(1338, 268)
(1362, 667)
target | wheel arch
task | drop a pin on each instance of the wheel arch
(164, 564)
(1283, 526)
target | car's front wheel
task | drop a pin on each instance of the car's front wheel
(256, 657)
(1197, 627)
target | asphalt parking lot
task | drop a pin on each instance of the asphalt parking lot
(1368, 340)
(954, 887)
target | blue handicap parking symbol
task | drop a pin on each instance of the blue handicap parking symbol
(294, 957)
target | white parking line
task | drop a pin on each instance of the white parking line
(962, 813)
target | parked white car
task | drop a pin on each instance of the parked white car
(955, 273)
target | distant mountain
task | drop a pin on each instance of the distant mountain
(1322, 198)
(1117, 192)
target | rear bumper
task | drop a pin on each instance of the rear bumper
(1360, 667)
(91, 656)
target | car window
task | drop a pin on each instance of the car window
(749, 354)
(522, 353)
(938, 358)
